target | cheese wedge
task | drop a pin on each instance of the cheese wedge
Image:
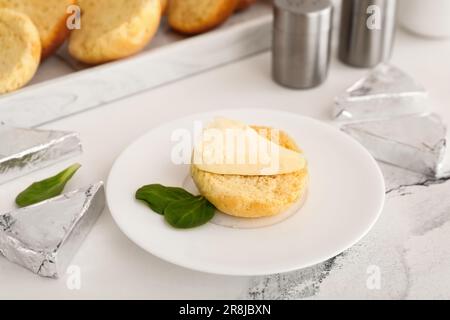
(232, 147)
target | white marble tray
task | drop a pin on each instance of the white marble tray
(63, 87)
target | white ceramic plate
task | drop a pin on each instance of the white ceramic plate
(345, 198)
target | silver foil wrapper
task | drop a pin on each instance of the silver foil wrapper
(384, 93)
(25, 150)
(44, 237)
(416, 143)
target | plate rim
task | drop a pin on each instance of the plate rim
(259, 271)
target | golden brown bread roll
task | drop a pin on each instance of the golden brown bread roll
(244, 4)
(20, 47)
(164, 6)
(197, 16)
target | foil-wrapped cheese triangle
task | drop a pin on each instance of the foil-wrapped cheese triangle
(25, 150)
(44, 237)
(384, 93)
(416, 143)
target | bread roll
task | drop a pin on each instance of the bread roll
(164, 6)
(20, 50)
(244, 4)
(197, 16)
(112, 30)
(50, 18)
(253, 196)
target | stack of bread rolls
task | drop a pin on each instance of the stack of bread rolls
(32, 30)
(112, 30)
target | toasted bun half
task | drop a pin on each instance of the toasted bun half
(50, 18)
(20, 48)
(112, 30)
(253, 196)
(197, 16)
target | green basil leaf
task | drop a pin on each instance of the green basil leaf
(189, 213)
(158, 197)
(46, 189)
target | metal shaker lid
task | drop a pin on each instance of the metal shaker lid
(303, 16)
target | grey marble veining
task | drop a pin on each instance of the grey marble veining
(408, 248)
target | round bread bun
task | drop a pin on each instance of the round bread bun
(197, 16)
(244, 4)
(50, 18)
(112, 30)
(253, 196)
(20, 50)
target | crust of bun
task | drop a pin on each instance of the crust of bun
(112, 30)
(20, 50)
(244, 4)
(50, 18)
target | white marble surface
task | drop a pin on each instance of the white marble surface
(408, 248)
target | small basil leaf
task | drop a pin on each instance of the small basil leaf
(158, 196)
(189, 213)
(46, 189)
